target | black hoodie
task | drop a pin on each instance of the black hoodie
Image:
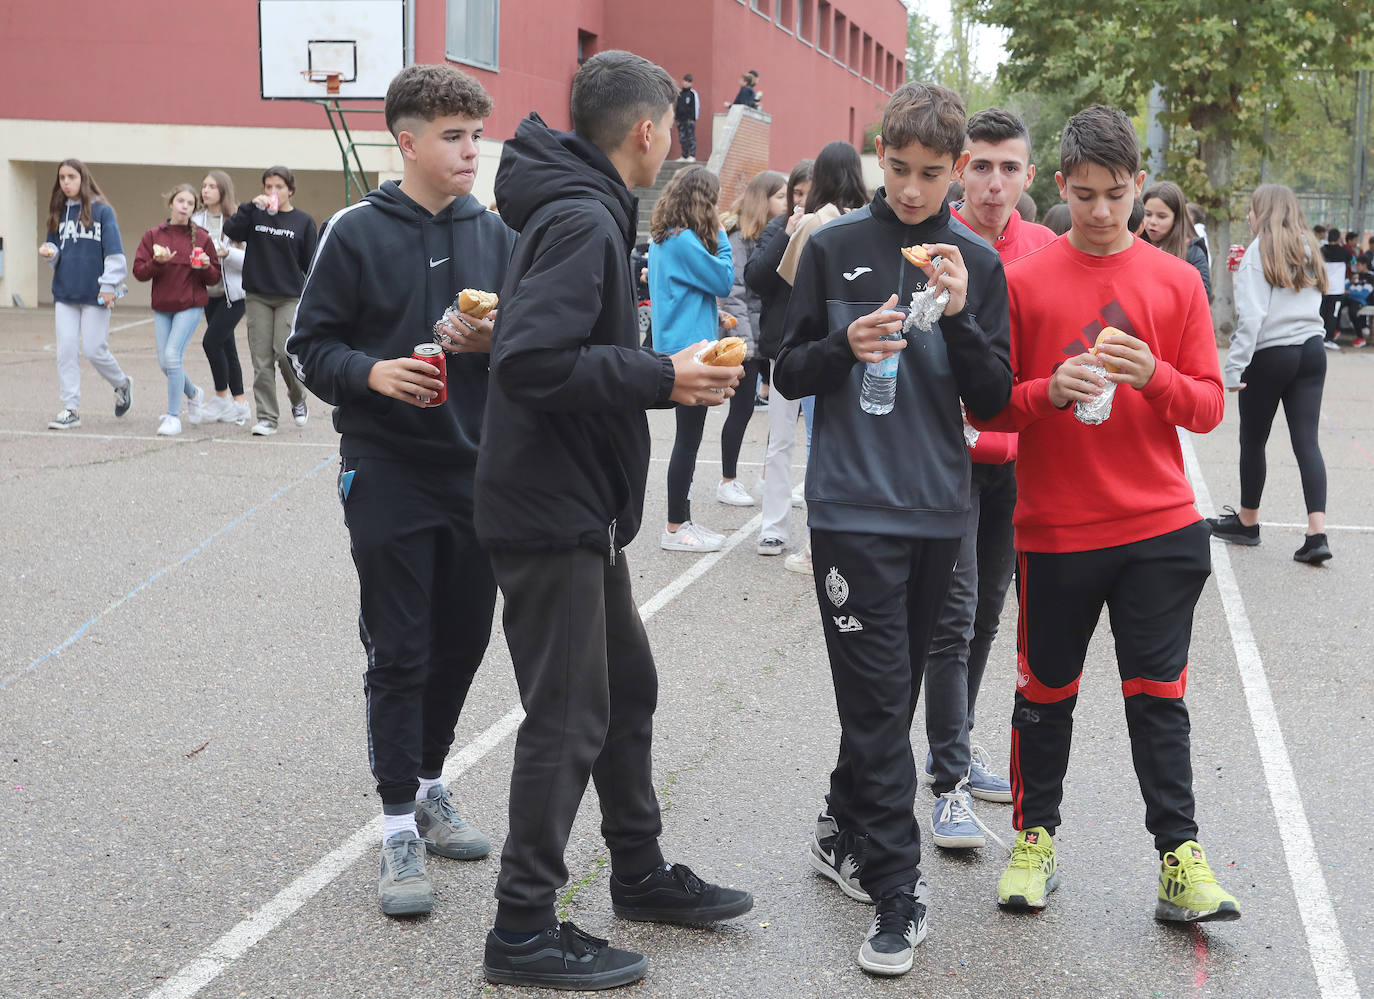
(566, 453)
(905, 473)
(385, 271)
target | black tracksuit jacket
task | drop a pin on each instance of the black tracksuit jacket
(385, 271)
(906, 473)
(566, 453)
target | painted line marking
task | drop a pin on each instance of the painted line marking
(129, 326)
(1330, 959)
(1357, 528)
(243, 936)
(76, 635)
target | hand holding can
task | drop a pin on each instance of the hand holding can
(273, 203)
(1233, 256)
(433, 354)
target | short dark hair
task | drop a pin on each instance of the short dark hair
(615, 90)
(926, 113)
(1350, 237)
(1333, 235)
(1137, 215)
(287, 177)
(1100, 135)
(996, 125)
(687, 77)
(429, 92)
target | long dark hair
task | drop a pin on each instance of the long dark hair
(801, 174)
(1181, 232)
(837, 178)
(688, 202)
(90, 194)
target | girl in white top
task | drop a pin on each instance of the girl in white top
(222, 315)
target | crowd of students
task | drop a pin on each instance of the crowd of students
(1016, 351)
(212, 259)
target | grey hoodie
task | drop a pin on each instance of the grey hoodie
(1267, 316)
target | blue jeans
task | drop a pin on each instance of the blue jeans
(173, 331)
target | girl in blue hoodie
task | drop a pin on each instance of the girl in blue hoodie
(87, 258)
(690, 266)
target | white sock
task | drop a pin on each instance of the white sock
(425, 784)
(393, 824)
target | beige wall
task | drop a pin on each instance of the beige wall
(136, 164)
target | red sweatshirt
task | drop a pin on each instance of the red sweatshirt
(1079, 487)
(1018, 238)
(176, 284)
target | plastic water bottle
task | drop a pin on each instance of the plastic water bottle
(879, 392)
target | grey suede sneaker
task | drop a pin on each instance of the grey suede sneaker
(404, 888)
(447, 832)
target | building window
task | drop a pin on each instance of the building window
(879, 67)
(806, 20)
(786, 15)
(824, 27)
(841, 38)
(868, 56)
(854, 56)
(472, 32)
(760, 7)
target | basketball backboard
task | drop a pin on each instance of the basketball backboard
(344, 49)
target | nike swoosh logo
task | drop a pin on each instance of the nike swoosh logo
(851, 275)
(436, 263)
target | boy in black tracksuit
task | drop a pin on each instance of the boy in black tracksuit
(560, 491)
(887, 495)
(386, 270)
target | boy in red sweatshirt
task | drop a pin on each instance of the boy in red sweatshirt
(1105, 514)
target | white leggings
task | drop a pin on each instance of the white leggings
(83, 331)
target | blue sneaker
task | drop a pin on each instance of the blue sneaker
(982, 782)
(952, 824)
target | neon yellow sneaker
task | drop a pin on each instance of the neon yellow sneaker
(1188, 890)
(1031, 873)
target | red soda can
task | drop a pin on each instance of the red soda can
(432, 353)
(1233, 256)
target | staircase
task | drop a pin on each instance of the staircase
(648, 196)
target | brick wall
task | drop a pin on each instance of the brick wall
(746, 155)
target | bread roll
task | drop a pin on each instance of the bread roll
(917, 255)
(477, 304)
(1106, 332)
(727, 353)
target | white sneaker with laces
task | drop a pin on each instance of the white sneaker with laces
(236, 413)
(263, 428)
(65, 420)
(214, 410)
(300, 414)
(733, 494)
(799, 561)
(168, 425)
(195, 406)
(689, 537)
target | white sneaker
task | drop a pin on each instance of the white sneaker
(771, 546)
(264, 428)
(214, 410)
(689, 538)
(65, 420)
(168, 426)
(195, 406)
(799, 561)
(236, 412)
(733, 494)
(799, 497)
(709, 534)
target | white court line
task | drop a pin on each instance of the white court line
(247, 441)
(129, 326)
(1330, 960)
(1357, 528)
(241, 938)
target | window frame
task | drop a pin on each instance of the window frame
(467, 60)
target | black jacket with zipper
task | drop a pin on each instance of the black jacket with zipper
(385, 271)
(905, 473)
(566, 454)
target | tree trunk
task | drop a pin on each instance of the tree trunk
(1216, 154)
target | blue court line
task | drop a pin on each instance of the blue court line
(74, 636)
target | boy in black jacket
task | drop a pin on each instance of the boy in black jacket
(887, 495)
(560, 491)
(386, 270)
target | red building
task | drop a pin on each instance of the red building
(162, 91)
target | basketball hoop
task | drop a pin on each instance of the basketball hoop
(329, 77)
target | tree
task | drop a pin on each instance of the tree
(1231, 73)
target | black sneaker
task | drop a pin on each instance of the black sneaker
(561, 957)
(1314, 550)
(899, 924)
(673, 894)
(838, 855)
(1229, 528)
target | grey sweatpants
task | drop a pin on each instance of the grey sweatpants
(83, 331)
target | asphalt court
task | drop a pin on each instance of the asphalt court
(188, 812)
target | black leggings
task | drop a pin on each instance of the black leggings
(1330, 310)
(737, 421)
(1294, 376)
(222, 316)
(691, 420)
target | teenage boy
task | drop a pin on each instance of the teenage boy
(686, 111)
(998, 172)
(560, 493)
(1338, 260)
(386, 270)
(280, 243)
(888, 496)
(1104, 513)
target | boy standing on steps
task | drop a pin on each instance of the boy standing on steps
(387, 269)
(1105, 514)
(560, 493)
(888, 495)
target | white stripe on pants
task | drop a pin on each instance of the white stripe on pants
(83, 331)
(777, 465)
